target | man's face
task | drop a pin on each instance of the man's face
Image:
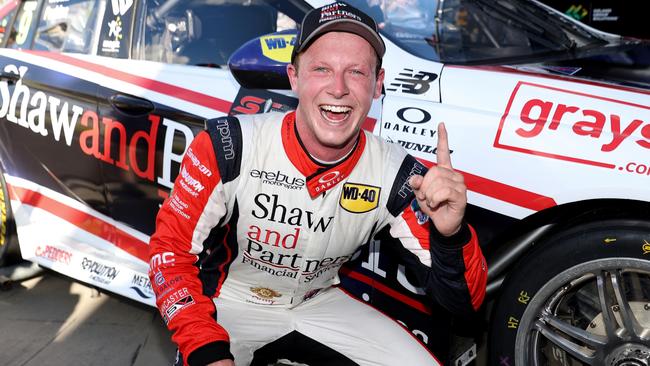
(335, 82)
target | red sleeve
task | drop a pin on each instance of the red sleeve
(181, 226)
(475, 270)
(455, 266)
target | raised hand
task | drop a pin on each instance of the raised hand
(441, 193)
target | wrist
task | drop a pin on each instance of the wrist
(452, 241)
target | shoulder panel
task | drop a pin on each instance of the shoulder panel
(226, 136)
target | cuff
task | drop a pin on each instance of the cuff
(210, 352)
(455, 241)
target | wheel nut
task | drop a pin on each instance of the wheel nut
(646, 306)
(592, 325)
(615, 308)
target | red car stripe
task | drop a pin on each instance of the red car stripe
(84, 221)
(503, 192)
(150, 84)
(385, 289)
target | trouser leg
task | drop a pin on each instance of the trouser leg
(359, 331)
(331, 326)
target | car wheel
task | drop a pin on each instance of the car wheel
(582, 297)
(7, 227)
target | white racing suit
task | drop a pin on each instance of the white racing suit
(248, 246)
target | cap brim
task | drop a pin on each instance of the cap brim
(349, 26)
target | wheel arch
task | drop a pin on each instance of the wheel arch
(507, 248)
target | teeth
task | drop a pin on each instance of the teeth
(336, 108)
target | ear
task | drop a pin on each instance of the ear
(379, 84)
(292, 72)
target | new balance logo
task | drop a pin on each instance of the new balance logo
(413, 83)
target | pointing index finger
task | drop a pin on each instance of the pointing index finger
(443, 157)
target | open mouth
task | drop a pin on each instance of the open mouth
(335, 113)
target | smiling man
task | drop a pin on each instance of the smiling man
(246, 253)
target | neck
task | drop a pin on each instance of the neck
(318, 151)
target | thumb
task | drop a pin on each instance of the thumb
(416, 182)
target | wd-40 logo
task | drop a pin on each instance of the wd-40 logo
(278, 47)
(359, 198)
(412, 82)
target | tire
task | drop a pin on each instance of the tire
(8, 245)
(582, 297)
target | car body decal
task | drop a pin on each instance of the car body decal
(82, 220)
(154, 85)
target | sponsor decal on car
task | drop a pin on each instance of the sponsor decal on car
(576, 127)
(411, 130)
(99, 272)
(53, 254)
(278, 47)
(55, 13)
(141, 285)
(120, 7)
(412, 82)
(359, 198)
(411, 121)
(114, 41)
(31, 109)
(249, 101)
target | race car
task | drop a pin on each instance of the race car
(549, 121)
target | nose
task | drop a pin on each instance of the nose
(339, 86)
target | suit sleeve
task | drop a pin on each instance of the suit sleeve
(451, 269)
(196, 205)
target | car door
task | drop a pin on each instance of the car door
(46, 103)
(176, 77)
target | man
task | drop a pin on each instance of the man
(268, 207)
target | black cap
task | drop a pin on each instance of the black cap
(338, 17)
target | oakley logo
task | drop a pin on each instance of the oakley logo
(328, 177)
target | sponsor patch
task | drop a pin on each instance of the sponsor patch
(359, 198)
(265, 293)
(419, 215)
(179, 305)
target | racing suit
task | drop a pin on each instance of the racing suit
(254, 224)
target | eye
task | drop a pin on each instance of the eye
(357, 72)
(320, 69)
